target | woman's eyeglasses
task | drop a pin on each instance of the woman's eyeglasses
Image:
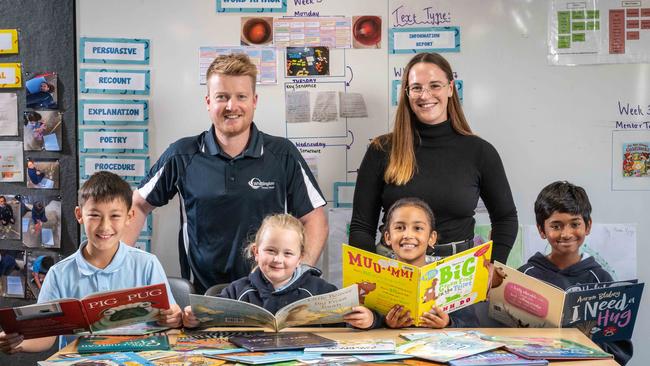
(416, 91)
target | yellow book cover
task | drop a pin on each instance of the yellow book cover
(451, 283)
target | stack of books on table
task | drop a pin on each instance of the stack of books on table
(457, 348)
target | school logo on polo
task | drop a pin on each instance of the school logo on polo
(257, 183)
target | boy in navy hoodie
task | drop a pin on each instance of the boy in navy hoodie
(563, 216)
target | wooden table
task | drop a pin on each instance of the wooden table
(571, 334)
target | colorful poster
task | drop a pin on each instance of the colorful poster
(251, 6)
(599, 31)
(10, 75)
(636, 159)
(332, 32)
(631, 160)
(134, 141)
(113, 112)
(429, 39)
(114, 51)
(8, 41)
(265, 58)
(102, 81)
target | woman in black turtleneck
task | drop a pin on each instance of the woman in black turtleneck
(433, 155)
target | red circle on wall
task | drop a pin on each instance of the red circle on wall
(367, 30)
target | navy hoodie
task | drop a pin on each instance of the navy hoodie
(584, 272)
(257, 290)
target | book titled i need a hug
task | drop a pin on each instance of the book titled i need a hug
(603, 311)
(94, 312)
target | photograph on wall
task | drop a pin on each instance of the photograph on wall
(41, 221)
(256, 31)
(38, 263)
(636, 159)
(8, 114)
(366, 31)
(43, 173)
(12, 273)
(9, 217)
(41, 91)
(308, 61)
(11, 161)
(42, 130)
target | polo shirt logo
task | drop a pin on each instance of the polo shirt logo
(256, 183)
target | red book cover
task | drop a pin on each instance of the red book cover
(98, 311)
(65, 316)
(123, 307)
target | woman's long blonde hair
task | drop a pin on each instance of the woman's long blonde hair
(401, 142)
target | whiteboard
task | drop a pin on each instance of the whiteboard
(547, 122)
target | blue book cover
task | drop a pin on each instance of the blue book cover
(548, 348)
(258, 358)
(496, 358)
(117, 359)
(604, 311)
(95, 343)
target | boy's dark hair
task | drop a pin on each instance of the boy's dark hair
(105, 187)
(562, 197)
(413, 202)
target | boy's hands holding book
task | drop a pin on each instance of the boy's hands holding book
(172, 317)
(10, 343)
(189, 319)
(361, 317)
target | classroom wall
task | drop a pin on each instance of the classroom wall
(547, 122)
(46, 43)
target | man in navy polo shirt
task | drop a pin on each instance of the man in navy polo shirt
(229, 178)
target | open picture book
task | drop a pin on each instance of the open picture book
(452, 283)
(603, 311)
(321, 309)
(94, 312)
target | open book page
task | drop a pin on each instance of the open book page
(524, 301)
(382, 282)
(327, 308)
(222, 312)
(452, 283)
(441, 347)
(456, 281)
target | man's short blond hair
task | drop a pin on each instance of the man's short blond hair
(234, 64)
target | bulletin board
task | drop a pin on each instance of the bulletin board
(548, 122)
